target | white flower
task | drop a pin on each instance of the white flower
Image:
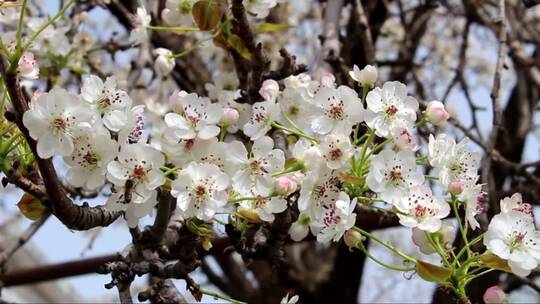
(336, 150)
(389, 106)
(262, 116)
(307, 154)
(515, 203)
(137, 207)
(287, 300)
(141, 165)
(255, 170)
(198, 119)
(337, 111)
(453, 161)
(139, 34)
(260, 8)
(300, 229)
(200, 190)
(134, 127)
(178, 12)
(436, 113)
(447, 235)
(89, 160)
(365, 77)
(28, 67)
(296, 105)
(111, 103)
(475, 200)
(269, 90)
(165, 61)
(225, 87)
(264, 207)
(337, 218)
(54, 120)
(319, 188)
(403, 139)
(512, 236)
(392, 174)
(421, 209)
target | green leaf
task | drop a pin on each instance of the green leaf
(238, 45)
(31, 207)
(207, 14)
(432, 273)
(495, 262)
(266, 27)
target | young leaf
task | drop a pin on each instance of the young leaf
(495, 262)
(207, 14)
(236, 43)
(271, 27)
(432, 273)
(31, 207)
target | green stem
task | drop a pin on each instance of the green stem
(219, 296)
(385, 244)
(245, 198)
(44, 26)
(383, 264)
(173, 28)
(20, 26)
(437, 246)
(366, 144)
(431, 177)
(296, 132)
(461, 227)
(478, 275)
(466, 247)
(378, 147)
(370, 199)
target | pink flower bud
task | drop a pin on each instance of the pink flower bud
(175, 101)
(28, 67)
(285, 185)
(436, 113)
(269, 90)
(230, 116)
(494, 295)
(456, 187)
(164, 62)
(352, 238)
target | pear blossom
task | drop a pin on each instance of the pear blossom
(200, 190)
(112, 104)
(141, 165)
(137, 207)
(421, 209)
(337, 218)
(165, 61)
(269, 90)
(139, 34)
(178, 12)
(254, 169)
(230, 117)
(262, 116)
(296, 105)
(392, 174)
(475, 200)
(447, 235)
(494, 295)
(436, 113)
(336, 150)
(365, 77)
(453, 161)
(319, 188)
(234, 115)
(300, 229)
(198, 119)
(54, 120)
(27, 67)
(264, 207)
(403, 138)
(224, 88)
(336, 111)
(390, 106)
(259, 8)
(133, 130)
(515, 202)
(89, 160)
(307, 154)
(512, 236)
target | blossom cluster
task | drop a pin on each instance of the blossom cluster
(199, 156)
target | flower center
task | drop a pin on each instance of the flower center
(391, 110)
(255, 166)
(184, 7)
(336, 111)
(200, 191)
(336, 154)
(261, 202)
(90, 158)
(59, 125)
(331, 217)
(517, 240)
(395, 176)
(138, 172)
